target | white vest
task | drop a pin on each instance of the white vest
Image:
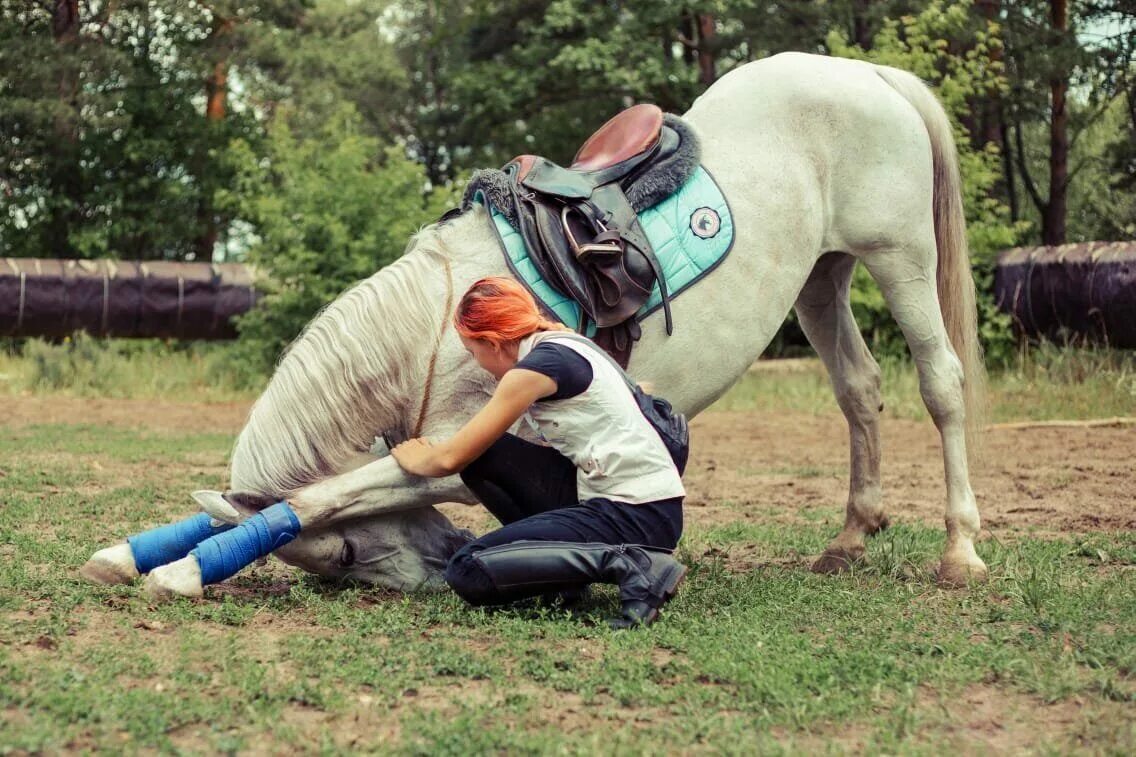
(618, 454)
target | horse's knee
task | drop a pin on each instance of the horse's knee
(468, 579)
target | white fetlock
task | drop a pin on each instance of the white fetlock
(113, 565)
(181, 578)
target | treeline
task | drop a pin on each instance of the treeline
(314, 136)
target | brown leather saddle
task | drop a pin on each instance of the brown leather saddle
(581, 231)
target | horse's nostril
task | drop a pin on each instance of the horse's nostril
(347, 554)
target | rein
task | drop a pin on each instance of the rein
(437, 346)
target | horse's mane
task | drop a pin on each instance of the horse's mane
(351, 374)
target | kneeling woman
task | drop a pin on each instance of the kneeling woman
(600, 502)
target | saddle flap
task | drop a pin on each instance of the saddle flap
(557, 257)
(618, 291)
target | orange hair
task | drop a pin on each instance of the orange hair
(500, 310)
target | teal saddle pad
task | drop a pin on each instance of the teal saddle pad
(691, 232)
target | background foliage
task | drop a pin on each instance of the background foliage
(311, 137)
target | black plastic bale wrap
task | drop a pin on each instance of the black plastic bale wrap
(1085, 290)
(54, 298)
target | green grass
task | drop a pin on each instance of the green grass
(126, 368)
(1046, 383)
(756, 654)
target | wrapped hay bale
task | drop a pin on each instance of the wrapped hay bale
(54, 298)
(1085, 291)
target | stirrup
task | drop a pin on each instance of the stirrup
(587, 249)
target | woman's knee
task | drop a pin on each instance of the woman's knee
(468, 580)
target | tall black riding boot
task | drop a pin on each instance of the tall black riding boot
(646, 577)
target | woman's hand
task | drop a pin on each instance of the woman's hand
(419, 456)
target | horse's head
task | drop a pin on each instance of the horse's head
(404, 550)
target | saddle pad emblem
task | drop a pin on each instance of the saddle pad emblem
(705, 223)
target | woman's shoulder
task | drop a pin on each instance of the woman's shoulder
(569, 369)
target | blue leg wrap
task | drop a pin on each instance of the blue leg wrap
(160, 546)
(224, 554)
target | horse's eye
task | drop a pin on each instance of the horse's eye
(347, 556)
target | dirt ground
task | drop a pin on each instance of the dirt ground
(762, 466)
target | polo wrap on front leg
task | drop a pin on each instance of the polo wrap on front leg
(224, 555)
(160, 546)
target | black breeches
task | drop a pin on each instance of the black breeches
(515, 479)
(532, 491)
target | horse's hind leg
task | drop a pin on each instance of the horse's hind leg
(907, 280)
(825, 314)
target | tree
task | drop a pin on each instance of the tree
(104, 138)
(1067, 63)
(498, 76)
(46, 49)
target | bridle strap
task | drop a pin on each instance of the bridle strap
(437, 346)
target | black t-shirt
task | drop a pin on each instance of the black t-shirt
(569, 369)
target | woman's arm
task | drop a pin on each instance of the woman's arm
(517, 389)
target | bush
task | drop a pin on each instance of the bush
(329, 208)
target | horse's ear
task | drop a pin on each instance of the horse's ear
(214, 504)
(250, 503)
(230, 507)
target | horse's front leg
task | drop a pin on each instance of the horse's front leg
(376, 488)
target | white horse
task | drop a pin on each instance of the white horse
(825, 162)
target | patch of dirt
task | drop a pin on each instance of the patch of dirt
(794, 467)
(981, 719)
(788, 467)
(198, 417)
(747, 558)
(990, 720)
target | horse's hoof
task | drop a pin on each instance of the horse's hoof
(880, 526)
(181, 578)
(837, 561)
(958, 573)
(110, 566)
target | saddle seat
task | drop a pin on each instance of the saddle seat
(629, 140)
(627, 135)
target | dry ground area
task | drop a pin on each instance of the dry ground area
(749, 465)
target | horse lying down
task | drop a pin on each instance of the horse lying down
(824, 162)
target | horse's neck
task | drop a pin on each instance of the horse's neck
(356, 371)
